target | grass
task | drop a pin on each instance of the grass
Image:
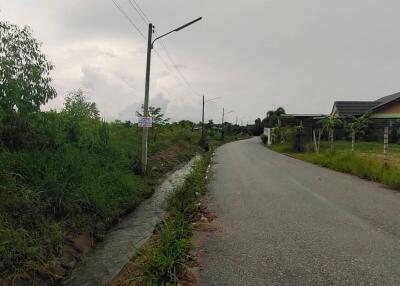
(365, 162)
(162, 262)
(47, 193)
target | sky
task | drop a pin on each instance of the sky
(254, 55)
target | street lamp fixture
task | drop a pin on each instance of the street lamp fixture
(176, 30)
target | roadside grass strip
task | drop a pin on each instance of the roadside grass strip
(366, 162)
(163, 261)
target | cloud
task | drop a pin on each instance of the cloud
(301, 55)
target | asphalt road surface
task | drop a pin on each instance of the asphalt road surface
(281, 221)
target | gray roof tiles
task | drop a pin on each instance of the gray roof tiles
(357, 108)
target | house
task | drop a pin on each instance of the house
(387, 107)
(383, 112)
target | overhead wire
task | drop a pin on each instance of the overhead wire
(141, 10)
(129, 19)
(146, 20)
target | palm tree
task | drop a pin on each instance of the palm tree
(329, 123)
(357, 127)
(273, 117)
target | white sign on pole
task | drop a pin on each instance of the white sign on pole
(145, 122)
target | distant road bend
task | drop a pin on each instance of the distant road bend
(281, 221)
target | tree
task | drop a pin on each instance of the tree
(25, 82)
(186, 124)
(273, 117)
(329, 123)
(157, 116)
(155, 113)
(357, 127)
(210, 125)
(258, 129)
(77, 106)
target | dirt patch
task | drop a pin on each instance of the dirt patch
(169, 159)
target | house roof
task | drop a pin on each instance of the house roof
(353, 108)
(303, 115)
(386, 99)
(357, 108)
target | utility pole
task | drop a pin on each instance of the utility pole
(202, 117)
(202, 123)
(150, 45)
(146, 99)
(223, 125)
(236, 120)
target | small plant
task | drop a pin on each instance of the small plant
(329, 123)
(357, 127)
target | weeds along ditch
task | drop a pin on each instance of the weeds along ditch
(162, 261)
(61, 174)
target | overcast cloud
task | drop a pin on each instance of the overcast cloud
(256, 55)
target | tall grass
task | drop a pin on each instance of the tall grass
(358, 165)
(59, 175)
(364, 162)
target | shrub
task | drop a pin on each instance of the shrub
(264, 139)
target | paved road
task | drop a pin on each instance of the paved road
(286, 222)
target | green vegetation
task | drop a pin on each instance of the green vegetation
(163, 261)
(65, 172)
(329, 123)
(357, 127)
(24, 71)
(365, 162)
(71, 180)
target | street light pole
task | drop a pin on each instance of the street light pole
(202, 123)
(202, 116)
(146, 99)
(223, 125)
(223, 122)
(150, 45)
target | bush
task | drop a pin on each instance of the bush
(264, 139)
(289, 139)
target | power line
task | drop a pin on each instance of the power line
(141, 10)
(143, 16)
(145, 19)
(163, 45)
(129, 19)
